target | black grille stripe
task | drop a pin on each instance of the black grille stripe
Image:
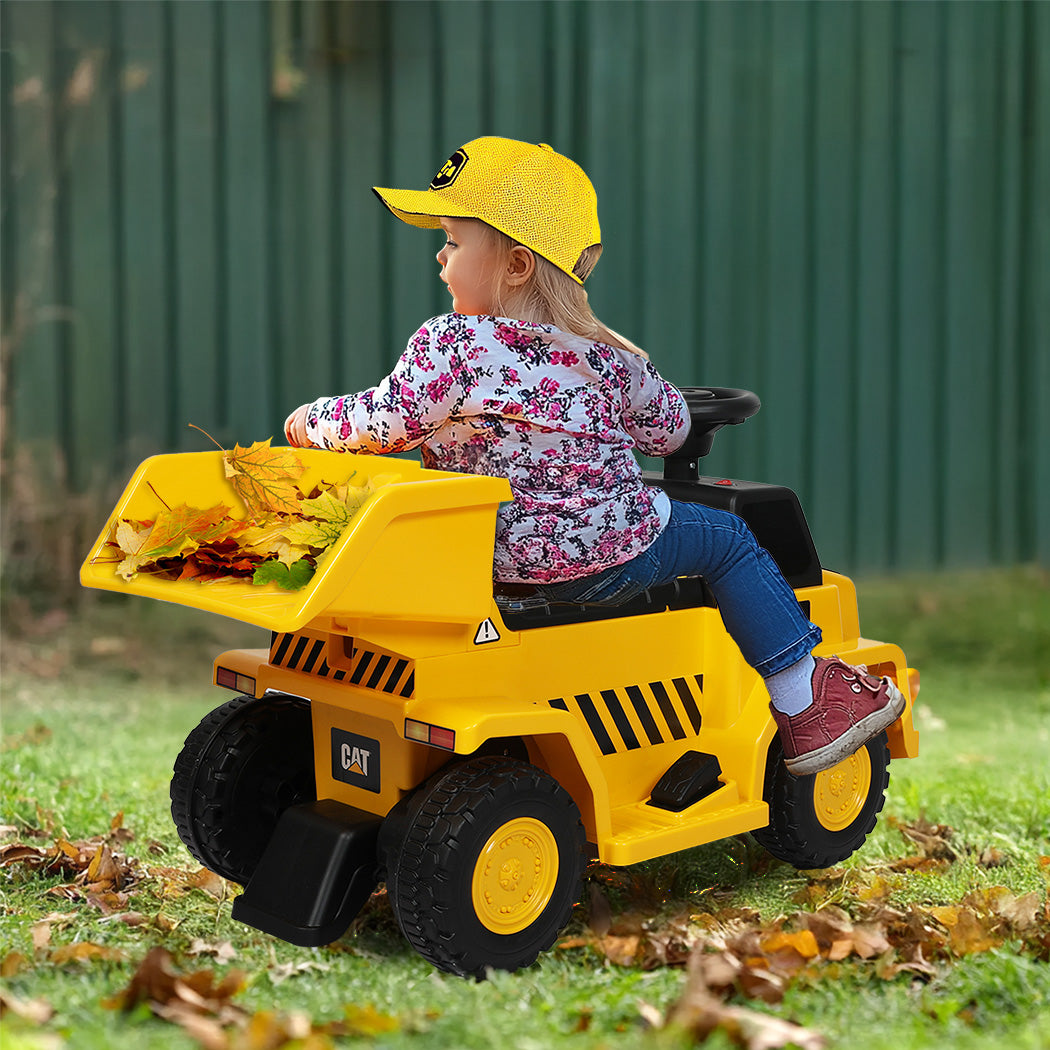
(282, 649)
(645, 708)
(287, 650)
(378, 678)
(297, 652)
(619, 716)
(689, 703)
(315, 652)
(645, 716)
(395, 675)
(594, 722)
(667, 708)
(363, 660)
(381, 665)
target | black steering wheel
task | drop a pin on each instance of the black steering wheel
(710, 409)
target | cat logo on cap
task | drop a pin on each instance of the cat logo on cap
(450, 172)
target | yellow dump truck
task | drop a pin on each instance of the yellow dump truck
(473, 746)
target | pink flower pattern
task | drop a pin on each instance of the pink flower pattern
(556, 414)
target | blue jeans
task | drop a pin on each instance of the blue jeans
(758, 606)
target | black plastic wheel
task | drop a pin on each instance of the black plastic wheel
(484, 864)
(818, 820)
(239, 770)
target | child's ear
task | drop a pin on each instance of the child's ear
(521, 265)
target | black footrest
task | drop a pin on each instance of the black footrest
(318, 870)
(694, 776)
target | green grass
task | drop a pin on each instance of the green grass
(93, 717)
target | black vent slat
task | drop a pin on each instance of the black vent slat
(282, 649)
(381, 665)
(297, 652)
(315, 652)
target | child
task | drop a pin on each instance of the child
(522, 381)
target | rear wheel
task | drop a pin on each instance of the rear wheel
(239, 770)
(484, 864)
(818, 820)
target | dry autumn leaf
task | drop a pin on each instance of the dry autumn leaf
(265, 477)
(283, 971)
(36, 1011)
(932, 839)
(12, 963)
(700, 1013)
(41, 929)
(838, 938)
(85, 951)
(222, 953)
(177, 881)
(156, 983)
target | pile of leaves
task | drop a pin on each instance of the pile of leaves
(198, 1000)
(99, 872)
(279, 541)
(203, 1006)
(732, 953)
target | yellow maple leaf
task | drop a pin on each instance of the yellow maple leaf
(265, 478)
(131, 540)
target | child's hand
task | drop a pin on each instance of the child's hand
(295, 428)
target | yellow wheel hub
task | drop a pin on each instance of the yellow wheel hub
(839, 793)
(515, 875)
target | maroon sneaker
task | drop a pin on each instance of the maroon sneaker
(849, 708)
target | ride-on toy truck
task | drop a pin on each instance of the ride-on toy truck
(473, 746)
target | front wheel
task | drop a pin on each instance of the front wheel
(484, 864)
(818, 820)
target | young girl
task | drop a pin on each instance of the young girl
(522, 381)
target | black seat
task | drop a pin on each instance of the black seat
(523, 606)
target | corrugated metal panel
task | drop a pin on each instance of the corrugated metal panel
(845, 207)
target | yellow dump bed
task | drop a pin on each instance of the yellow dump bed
(419, 550)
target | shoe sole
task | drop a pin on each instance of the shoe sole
(852, 740)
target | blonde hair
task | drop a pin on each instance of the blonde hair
(551, 296)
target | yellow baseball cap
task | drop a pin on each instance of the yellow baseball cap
(529, 192)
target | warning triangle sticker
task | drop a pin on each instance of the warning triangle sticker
(486, 633)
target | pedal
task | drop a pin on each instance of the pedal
(694, 776)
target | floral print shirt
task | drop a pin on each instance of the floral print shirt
(556, 414)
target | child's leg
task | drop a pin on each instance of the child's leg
(758, 606)
(825, 709)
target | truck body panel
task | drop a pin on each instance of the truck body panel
(411, 664)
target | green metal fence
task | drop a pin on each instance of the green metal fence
(844, 206)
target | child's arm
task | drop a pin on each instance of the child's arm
(657, 418)
(416, 398)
